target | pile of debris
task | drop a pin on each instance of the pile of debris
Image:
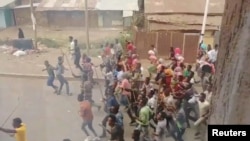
(20, 52)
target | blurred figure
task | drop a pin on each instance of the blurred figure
(71, 47)
(118, 48)
(77, 55)
(20, 33)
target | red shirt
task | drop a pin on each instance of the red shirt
(129, 61)
(168, 81)
(107, 51)
(130, 47)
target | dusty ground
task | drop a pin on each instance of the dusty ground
(61, 34)
(33, 64)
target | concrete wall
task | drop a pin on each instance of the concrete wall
(55, 18)
(209, 37)
(127, 21)
(230, 101)
(22, 17)
(66, 18)
(106, 19)
(111, 18)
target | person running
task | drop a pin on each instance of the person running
(87, 115)
(51, 75)
(59, 74)
(19, 130)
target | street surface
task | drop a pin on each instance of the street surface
(50, 117)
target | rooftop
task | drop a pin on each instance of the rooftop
(65, 5)
(3, 3)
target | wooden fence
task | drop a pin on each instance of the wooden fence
(164, 40)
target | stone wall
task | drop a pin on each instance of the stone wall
(232, 83)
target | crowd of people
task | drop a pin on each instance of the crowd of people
(164, 102)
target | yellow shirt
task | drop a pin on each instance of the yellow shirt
(21, 133)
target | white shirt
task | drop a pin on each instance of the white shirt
(112, 51)
(160, 130)
(208, 96)
(151, 102)
(120, 75)
(212, 55)
(148, 87)
(110, 77)
(72, 47)
(203, 107)
(171, 100)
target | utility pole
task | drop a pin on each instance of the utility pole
(87, 25)
(204, 21)
(33, 19)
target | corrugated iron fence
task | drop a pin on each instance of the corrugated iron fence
(164, 40)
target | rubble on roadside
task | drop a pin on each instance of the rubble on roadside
(6, 49)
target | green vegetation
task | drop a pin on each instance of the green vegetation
(49, 42)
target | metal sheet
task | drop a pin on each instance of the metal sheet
(23, 43)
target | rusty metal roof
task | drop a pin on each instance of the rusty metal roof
(124, 5)
(183, 6)
(184, 19)
(65, 5)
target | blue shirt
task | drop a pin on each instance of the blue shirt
(112, 102)
(119, 119)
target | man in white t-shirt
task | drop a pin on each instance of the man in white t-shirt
(212, 54)
(201, 125)
(71, 46)
(151, 99)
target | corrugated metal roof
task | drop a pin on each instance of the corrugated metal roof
(169, 27)
(183, 6)
(65, 5)
(124, 5)
(3, 3)
(184, 19)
